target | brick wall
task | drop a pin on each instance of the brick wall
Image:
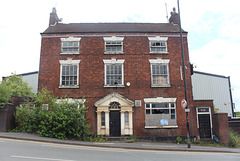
(136, 71)
(7, 119)
(221, 127)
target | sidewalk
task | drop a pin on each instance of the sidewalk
(136, 145)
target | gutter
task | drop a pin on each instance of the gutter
(230, 91)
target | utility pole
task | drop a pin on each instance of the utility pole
(184, 74)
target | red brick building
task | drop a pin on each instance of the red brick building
(129, 73)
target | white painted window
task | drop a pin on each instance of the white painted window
(70, 45)
(102, 118)
(160, 112)
(69, 73)
(159, 72)
(161, 108)
(126, 118)
(158, 45)
(113, 45)
(113, 73)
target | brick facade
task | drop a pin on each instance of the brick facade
(137, 71)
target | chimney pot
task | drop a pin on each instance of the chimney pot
(174, 17)
(53, 17)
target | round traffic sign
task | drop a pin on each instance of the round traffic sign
(184, 103)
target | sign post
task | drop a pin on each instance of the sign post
(184, 73)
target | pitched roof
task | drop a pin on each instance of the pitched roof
(61, 28)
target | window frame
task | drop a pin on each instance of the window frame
(126, 118)
(103, 119)
(113, 39)
(160, 62)
(69, 62)
(154, 120)
(70, 40)
(160, 40)
(113, 61)
(169, 108)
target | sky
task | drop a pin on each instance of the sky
(213, 28)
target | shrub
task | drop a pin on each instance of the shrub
(178, 139)
(234, 138)
(62, 120)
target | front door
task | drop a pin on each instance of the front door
(204, 125)
(115, 125)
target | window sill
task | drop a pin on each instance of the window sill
(113, 52)
(158, 52)
(71, 87)
(116, 86)
(167, 85)
(70, 53)
(161, 127)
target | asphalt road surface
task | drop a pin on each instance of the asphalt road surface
(19, 150)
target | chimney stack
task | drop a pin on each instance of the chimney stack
(53, 18)
(174, 17)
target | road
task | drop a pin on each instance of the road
(20, 150)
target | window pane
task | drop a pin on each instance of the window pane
(113, 46)
(160, 74)
(70, 46)
(69, 75)
(203, 109)
(147, 111)
(126, 114)
(148, 105)
(160, 105)
(160, 111)
(63, 70)
(113, 74)
(102, 118)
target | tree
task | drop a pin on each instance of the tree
(14, 85)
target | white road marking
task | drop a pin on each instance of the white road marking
(37, 158)
(104, 143)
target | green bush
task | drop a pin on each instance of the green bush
(13, 85)
(234, 138)
(62, 120)
(178, 139)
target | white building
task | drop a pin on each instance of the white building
(32, 79)
(213, 87)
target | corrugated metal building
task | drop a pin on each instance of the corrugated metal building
(213, 87)
(32, 79)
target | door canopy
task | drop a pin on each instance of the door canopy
(114, 97)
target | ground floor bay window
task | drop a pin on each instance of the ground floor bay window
(160, 112)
